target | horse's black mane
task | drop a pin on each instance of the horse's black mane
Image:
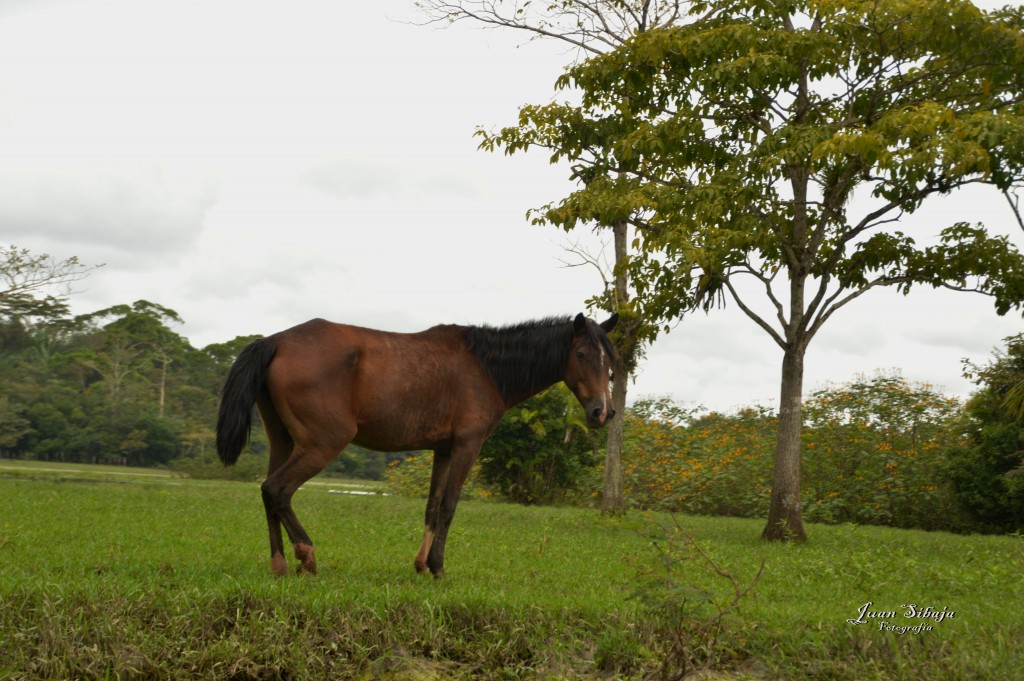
(523, 359)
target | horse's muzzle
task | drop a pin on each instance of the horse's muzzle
(599, 415)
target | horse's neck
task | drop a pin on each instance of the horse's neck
(513, 395)
(524, 376)
(522, 364)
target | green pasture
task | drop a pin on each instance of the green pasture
(110, 575)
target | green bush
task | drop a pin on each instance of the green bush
(985, 466)
(540, 451)
(710, 464)
(874, 452)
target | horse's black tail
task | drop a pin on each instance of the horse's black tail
(243, 384)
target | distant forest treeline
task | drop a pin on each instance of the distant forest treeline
(121, 386)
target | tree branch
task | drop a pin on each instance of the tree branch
(830, 307)
(780, 311)
(590, 26)
(1014, 206)
(599, 263)
(779, 340)
(23, 274)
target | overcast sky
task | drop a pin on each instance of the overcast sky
(253, 164)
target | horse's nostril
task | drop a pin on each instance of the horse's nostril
(611, 413)
(596, 412)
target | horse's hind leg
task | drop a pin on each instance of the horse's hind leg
(281, 446)
(278, 488)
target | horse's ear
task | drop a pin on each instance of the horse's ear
(579, 325)
(610, 323)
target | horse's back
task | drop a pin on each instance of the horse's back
(394, 390)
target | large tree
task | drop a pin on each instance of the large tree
(136, 341)
(781, 144)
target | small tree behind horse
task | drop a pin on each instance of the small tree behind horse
(319, 386)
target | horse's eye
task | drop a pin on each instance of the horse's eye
(580, 356)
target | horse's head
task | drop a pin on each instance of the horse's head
(588, 368)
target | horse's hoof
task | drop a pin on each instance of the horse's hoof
(307, 559)
(306, 568)
(278, 566)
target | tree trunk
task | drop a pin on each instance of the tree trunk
(162, 397)
(612, 500)
(784, 521)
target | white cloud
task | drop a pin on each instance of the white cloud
(132, 214)
(362, 179)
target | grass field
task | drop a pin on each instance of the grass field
(108, 575)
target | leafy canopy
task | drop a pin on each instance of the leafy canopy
(767, 136)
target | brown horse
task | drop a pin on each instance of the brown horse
(320, 386)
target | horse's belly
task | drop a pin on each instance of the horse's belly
(398, 436)
(433, 424)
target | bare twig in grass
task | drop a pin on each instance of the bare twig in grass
(693, 616)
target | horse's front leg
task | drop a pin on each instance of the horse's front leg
(462, 461)
(438, 478)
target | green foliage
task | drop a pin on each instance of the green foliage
(410, 477)
(1014, 400)
(28, 283)
(115, 386)
(249, 468)
(874, 453)
(986, 466)
(540, 451)
(712, 464)
(738, 137)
